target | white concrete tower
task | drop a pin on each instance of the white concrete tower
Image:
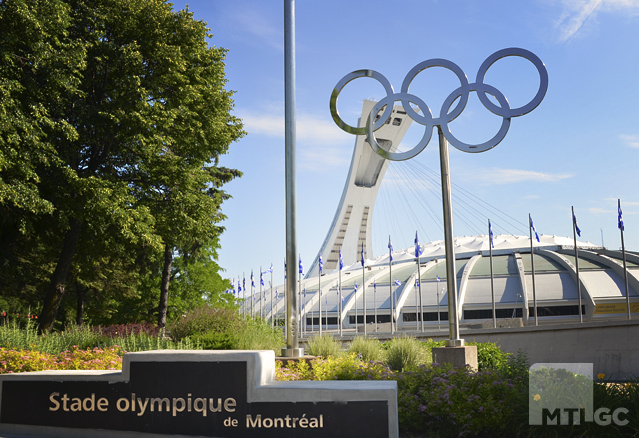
(352, 223)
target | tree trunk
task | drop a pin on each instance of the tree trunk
(56, 287)
(81, 298)
(164, 288)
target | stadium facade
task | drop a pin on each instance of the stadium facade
(390, 293)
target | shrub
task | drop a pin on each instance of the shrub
(258, 334)
(18, 360)
(203, 320)
(455, 402)
(324, 346)
(348, 367)
(120, 330)
(369, 349)
(404, 353)
(214, 341)
(294, 370)
(489, 355)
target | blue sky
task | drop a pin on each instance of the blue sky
(579, 148)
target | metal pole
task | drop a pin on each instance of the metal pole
(292, 337)
(319, 294)
(364, 289)
(438, 310)
(339, 299)
(453, 318)
(492, 275)
(390, 287)
(532, 263)
(419, 282)
(623, 253)
(272, 314)
(574, 233)
(375, 303)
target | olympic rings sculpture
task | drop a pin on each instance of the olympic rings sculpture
(446, 115)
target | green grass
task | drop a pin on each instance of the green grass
(83, 337)
(324, 346)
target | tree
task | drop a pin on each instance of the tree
(131, 126)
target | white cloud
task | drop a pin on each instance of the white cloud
(309, 129)
(319, 159)
(508, 176)
(630, 140)
(578, 13)
(320, 143)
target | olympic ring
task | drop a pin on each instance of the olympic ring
(446, 115)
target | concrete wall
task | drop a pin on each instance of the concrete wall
(612, 346)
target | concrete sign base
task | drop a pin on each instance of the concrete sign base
(193, 393)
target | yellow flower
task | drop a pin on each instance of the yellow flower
(537, 397)
(601, 376)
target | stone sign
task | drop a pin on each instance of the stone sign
(194, 393)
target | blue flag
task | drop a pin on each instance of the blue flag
(285, 269)
(397, 282)
(261, 279)
(438, 278)
(341, 260)
(269, 270)
(355, 287)
(252, 280)
(620, 215)
(277, 295)
(533, 228)
(362, 254)
(574, 219)
(321, 264)
(416, 283)
(418, 251)
(390, 248)
(301, 266)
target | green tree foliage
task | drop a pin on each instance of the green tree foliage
(113, 114)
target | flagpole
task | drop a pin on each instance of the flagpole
(319, 291)
(492, 276)
(375, 303)
(574, 233)
(272, 313)
(364, 288)
(390, 283)
(261, 293)
(340, 297)
(439, 327)
(532, 263)
(286, 292)
(301, 302)
(416, 303)
(419, 279)
(623, 253)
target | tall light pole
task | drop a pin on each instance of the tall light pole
(292, 348)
